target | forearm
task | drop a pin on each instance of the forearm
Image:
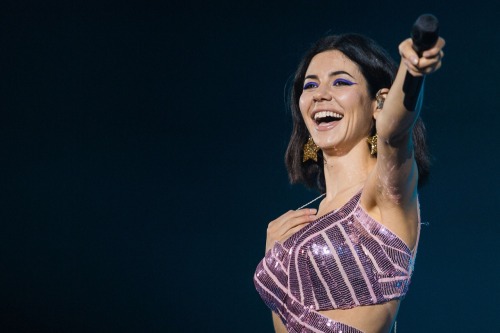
(395, 121)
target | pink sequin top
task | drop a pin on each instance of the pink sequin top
(342, 260)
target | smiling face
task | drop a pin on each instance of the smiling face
(335, 103)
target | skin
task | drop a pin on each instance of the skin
(389, 182)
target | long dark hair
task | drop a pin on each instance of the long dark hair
(379, 70)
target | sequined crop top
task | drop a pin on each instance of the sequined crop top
(342, 260)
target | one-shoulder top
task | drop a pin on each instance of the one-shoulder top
(342, 260)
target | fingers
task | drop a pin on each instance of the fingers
(289, 223)
(429, 62)
(292, 218)
(435, 50)
(407, 52)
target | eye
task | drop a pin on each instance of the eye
(310, 85)
(342, 82)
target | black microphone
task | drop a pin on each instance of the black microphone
(424, 34)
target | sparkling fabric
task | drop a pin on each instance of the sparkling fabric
(342, 260)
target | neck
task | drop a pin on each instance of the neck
(346, 172)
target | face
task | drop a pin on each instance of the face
(335, 103)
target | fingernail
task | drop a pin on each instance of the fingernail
(313, 210)
(414, 60)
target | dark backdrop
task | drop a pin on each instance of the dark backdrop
(142, 158)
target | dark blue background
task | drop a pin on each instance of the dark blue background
(142, 158)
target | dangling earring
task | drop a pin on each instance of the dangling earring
(372, 141)
(380, 100)
(310, 151)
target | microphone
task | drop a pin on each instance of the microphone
(424, 34)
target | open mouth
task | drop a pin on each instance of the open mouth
(323, 117)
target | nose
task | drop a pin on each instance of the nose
(322, 94)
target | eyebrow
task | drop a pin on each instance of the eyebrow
(335, 73)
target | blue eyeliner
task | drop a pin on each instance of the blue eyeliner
(343, 82)
(309, 85)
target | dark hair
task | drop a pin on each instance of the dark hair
(379, 70)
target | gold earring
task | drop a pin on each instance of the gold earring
(380, 100)
(310, 151)
(372, 141)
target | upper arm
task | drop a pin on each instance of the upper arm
(395, 176)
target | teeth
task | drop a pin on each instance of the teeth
(324, 114)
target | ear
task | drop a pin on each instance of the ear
(378, 103)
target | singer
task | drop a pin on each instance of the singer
(345, 266)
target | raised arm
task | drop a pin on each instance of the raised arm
(396, 173)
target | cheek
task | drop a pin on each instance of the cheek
(303, 104)
(355, 101)
(351, 97)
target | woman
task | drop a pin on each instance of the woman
(345, 266)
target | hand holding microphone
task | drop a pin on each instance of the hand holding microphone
(422, 54)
